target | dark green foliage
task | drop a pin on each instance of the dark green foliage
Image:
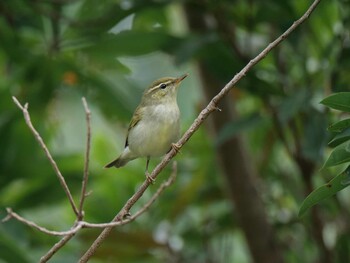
(340, 154)
(338, 101)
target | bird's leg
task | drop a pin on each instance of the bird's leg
(148, 176)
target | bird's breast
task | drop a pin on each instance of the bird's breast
(154, 133)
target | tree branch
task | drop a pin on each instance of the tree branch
(87, 159)
(212, 106)
(119, 218)
(56, 247)
(11, 214)
(79, 224)
(48, 154)
(125, 211)
(83, 224)
(155, 196)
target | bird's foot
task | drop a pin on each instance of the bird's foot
(176, 147)
(150, 179)
(126, 215)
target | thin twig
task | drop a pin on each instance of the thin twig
(56, 247)
(155, 196)
(87, 160)
(212, 106)
(125, 210)
(48, 154)
(83, 224)
(11, 214)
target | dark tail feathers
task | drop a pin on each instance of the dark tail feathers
(116, 163)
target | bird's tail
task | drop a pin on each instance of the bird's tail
(122, 160)
(119, 162)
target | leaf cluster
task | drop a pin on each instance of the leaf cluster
(340, 155)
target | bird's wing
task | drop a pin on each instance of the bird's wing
(134, 121)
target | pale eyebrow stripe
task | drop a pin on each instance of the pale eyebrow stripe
(156, 87)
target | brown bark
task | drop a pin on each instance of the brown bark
(236, 167)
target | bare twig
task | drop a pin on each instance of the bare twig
(82, 224)
(125, 210)
(11, 214)
(155, 196)
(87, 159)
(212, 106)
(56, 247)
(119, 218)
(48, 154)
(69, 234)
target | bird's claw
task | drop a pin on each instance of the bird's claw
(176, 147)
(150, 179)
(126, 215)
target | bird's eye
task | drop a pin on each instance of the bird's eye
(163, 86)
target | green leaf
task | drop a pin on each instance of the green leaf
(338, 101)
(339, 155)
(340, 138)
(127, 43)
(335, 185)
(151, 19)
(339, 126)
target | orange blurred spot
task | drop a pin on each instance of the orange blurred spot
(70, 78)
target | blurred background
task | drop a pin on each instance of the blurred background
(241, 177)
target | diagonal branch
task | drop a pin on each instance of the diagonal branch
(125, 211)
(119, 219)
(56, 247)
(48, 154)
(79, 224)
(83, 224)
(212, 106)
(71, 234)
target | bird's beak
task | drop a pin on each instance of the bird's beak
(179, 79)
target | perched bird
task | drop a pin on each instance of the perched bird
(155, 125)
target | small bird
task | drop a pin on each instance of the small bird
(155, 125)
